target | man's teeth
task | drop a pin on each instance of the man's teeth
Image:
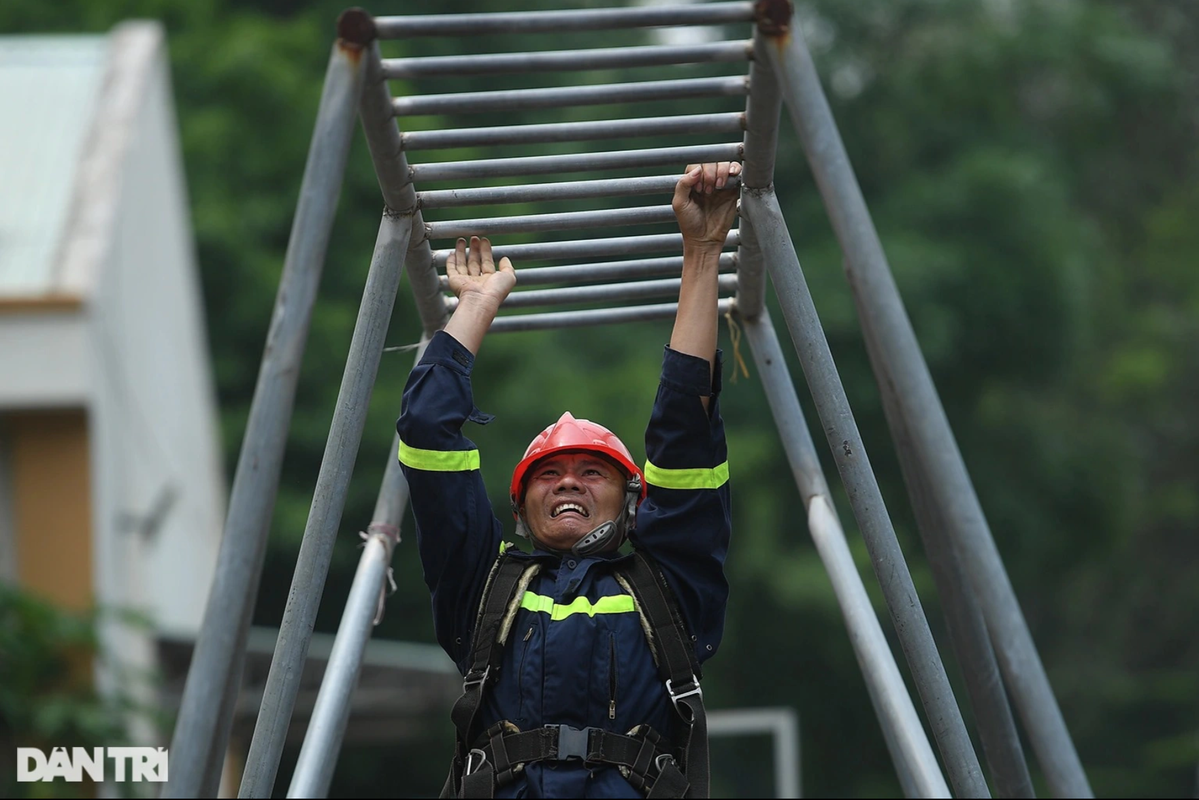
(568, 507)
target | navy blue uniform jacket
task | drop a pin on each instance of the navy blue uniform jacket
(577, 653)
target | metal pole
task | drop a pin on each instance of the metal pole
(575, 162)
(589, 248)
(900, 367)
(558, 96)
(322, 741)
(911, 625)
(330, 715)
(328, 500)
(965, 624)
(205, 717)
(561, 221)
(562, 60)
(760, 143)
(602, 293)
(592, 316)
(552, 21)
(562, 190)
(910, 750)
(394, 175)
(589, 130)
(609, 270)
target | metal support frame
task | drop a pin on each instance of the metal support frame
(780, 71)
(910, 750)
(903, 374)
(206, 714)
(326, 729)
(849, 452)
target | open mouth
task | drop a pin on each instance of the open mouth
(568, 508)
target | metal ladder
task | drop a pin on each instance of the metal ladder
(607, 276)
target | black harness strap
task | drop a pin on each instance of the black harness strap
(481, 762)
(501, 753)
(486, 654)
(678, 666)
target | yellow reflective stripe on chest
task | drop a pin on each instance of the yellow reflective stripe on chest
(613, 604)
(439, 460)
(701, 478)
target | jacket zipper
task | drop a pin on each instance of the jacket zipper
(520, 673)
(612, 678)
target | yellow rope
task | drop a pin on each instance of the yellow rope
(735, 338)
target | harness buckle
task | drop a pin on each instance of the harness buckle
(572, 742)
(471, 766)
(685, 691)
(474, 679)
(662, 760)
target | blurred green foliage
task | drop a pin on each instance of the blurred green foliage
(1031, 166)
(48, 694)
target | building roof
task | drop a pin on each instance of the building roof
(49, 87)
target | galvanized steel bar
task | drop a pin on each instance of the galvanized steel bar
(558, 21)
(540, 223)
(608, 271)
(849, 452)
(964, 623)
(560, 96)
(202, 731)
(589, 248)
(576, 162)
(761, 141)
(566, 190)
(567, 60)
(326, 727)
(900, 368)
(392, 170)
(322, 741)
(912, 753)
(592, 316)
(328, 501)
(639, 290)
(589, 130)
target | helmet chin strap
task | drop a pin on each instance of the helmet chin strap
(600, 539)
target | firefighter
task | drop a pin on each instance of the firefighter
(581, 658)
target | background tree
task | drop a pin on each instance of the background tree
(1031, 168)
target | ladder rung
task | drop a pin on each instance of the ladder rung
(730, 122)
(589, 248)
(576, 162)
(559, 96)
(637, 290)
(605, 271)
(592, 316)
(565, 190)
(476, 25)
(559, 60)
(539, 223)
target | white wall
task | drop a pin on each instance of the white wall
(157, 417)
(43, 359)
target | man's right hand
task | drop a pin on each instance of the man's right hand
(477, 274)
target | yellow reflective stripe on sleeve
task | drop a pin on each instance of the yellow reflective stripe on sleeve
(439, 460)
(614, 604)
(701, 478)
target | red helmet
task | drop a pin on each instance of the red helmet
(569, 433)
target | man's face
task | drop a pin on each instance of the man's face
(567, 495)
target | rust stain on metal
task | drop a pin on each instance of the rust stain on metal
(355, 30)
(774, 17)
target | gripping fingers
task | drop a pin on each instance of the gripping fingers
(472, 263)
(457, 264)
